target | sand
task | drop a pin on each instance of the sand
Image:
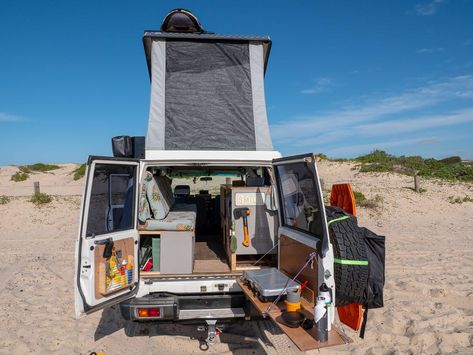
(428, 294)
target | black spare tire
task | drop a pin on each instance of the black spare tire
(349, 249)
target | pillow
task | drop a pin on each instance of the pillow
(157, 203)
(143, 209)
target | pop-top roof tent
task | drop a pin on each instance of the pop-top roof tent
(207, 90)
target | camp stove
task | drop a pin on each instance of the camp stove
(269, 283)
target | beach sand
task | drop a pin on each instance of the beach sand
(428, 293)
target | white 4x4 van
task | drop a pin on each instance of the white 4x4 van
(168, 232)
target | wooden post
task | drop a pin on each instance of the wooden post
(36, 187)
(416, 183)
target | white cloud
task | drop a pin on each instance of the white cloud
(412, 124)
(5, 117)
(428, 9)
(323, 126)
(320, 85)
(429, 141)
(381, 122)
(430, 50)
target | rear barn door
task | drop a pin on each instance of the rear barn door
(107, 244)
(303, 225)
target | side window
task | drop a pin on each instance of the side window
(111, 201)
(299, 198)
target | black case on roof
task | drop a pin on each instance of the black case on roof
(128, 147)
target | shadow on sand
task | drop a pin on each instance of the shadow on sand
(249, 337)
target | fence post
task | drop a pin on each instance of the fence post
(36, 187)
(416, 183)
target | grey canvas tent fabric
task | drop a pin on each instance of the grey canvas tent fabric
(207, 94)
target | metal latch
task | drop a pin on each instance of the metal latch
(107, 252)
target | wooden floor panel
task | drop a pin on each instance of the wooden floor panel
(303, 339)
(209, 266)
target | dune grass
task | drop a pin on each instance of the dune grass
(4, 199)
(450, 168)
(19, 176)
(41, 199)
(38, 167)
(359, 196)
(79, 172)
(362, 201)
(459, 200)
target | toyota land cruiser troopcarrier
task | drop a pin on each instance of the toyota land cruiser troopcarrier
(171, 223)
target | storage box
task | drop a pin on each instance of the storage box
(177, 252)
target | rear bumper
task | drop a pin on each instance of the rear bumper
(187, 307)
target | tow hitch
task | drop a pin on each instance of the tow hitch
(212, 331)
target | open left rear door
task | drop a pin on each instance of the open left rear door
(107, 244)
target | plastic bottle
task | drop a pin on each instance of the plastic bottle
(114, 272)
(324, 291)
(122, 273)
(321, 319)
(129, 273)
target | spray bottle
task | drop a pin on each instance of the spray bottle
(321, 319)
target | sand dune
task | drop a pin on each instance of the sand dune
(428, 295)
(54, 182)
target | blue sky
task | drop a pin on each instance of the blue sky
(344, 77)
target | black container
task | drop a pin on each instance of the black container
(138, 147)
(122, 147)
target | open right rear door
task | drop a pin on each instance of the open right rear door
(303, 224)
(302, 233)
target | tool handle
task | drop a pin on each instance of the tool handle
(246, 236)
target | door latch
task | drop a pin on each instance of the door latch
(107, 252)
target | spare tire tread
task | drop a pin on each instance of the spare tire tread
(350, 280)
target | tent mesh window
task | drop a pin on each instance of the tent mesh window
(208, 98)
(207, 92)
